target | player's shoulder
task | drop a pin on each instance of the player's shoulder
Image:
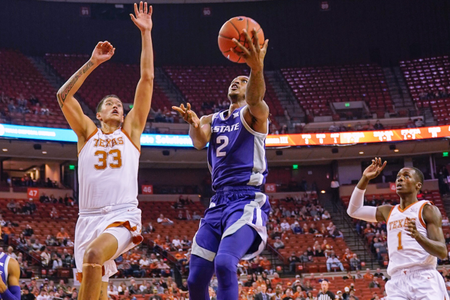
(430, 211)
(13, 264)
(207, 119)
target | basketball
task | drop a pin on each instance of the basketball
(233, 29)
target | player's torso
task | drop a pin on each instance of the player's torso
(236, 153)
(405, 251)
(108, 167)
(4, 260)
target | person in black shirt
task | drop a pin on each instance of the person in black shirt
(324, 293)
(293, 259)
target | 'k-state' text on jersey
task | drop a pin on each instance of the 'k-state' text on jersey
(108, 168)
(236, 153)
(404, 251)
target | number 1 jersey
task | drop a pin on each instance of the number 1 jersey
(404, 251)
(236, 153)
(107, 170)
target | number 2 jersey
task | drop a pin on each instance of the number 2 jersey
(236, 153)
(108, 170)
(404, 251)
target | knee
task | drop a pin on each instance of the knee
(93, 255)
(224, 264)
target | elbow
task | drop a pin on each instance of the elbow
(443, 254)
(199, 146)
(148, 77)
(349, 212)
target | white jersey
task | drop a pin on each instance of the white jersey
(107, 170)
(404, 251)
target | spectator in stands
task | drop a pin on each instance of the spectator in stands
(368, 126)
(318, 251)
(305, 258)
(334, 262)
(419, 122)
(355, 263)
(285, 225)
(54, 214)
(378, 125)
(164, 221)
(56, 262)
(305, 228)
(324, 293)
(188, 215)
(379, 274)
(374, 283)
(45, 257)
(149, 228)
(326, 215)
(333, 127)
(196, 216)
(312, 229)
(348, 276)
(296, 228)
(12, 206)
(278, 244)
(368, 275)
(358, 127)
(293, 260)
(51, 241)
(62, 236)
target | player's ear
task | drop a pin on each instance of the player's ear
(419, 186)
(98, 116)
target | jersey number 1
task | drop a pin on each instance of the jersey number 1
(221, 139)
(399, 235)
(103, 155)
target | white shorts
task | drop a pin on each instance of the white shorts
(419, 284)
(121, 221)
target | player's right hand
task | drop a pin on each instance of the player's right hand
(187, 114)
(375, 168)
(102, 52)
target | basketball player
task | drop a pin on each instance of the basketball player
(9, 279)
(234, 223)
(109, 221)
(415, 236)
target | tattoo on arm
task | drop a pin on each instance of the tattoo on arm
(72, 82)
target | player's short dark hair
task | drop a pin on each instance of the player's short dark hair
(419, 174)
(100, 104)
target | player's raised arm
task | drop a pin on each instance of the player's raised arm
(356, 208)
(256, 87)
(434, 242)
(137, 117)
(11, 291)
(199, 129)
(78, 121)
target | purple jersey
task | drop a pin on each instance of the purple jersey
(236, 153)
(4, 260)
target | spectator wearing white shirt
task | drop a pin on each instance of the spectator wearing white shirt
(333, 262)
(45, 257)
(326, 215)
(43, 295)
(57, 262)
(144, 262)
(112, 290)
(285, 225)
(163, 220)
(176, 243)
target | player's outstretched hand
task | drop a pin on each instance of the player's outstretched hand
(254, 56)
(142, 17)
(187, 114)
(411, 228)
(102, 52)
(375, 168)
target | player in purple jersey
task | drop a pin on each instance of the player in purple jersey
(9, 277)
(234, 224)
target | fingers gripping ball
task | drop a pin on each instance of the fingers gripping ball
(233, 29)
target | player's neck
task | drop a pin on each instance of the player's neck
(407, 200)
(108, 128)
(236, 105)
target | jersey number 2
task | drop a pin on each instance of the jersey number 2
(221, 139)
(103, 155)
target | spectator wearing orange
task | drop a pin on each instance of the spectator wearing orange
(62, 236)
(368, 275)
(265, 264)
(276, 279)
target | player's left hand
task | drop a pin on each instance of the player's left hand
(3, 286)
(254, 56)
(411, 229)
(143, 18)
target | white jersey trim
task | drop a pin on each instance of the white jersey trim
(249, 129)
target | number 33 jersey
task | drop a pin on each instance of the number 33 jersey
(404, 251)
(236, 153)
(107, 170)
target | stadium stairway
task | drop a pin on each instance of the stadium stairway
(172, 92)
(345, 224)
(398, 89)
(56, 81)
(286, 97)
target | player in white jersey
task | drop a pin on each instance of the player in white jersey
(415, 236)
(109, 221)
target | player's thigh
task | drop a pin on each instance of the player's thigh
(396, 290)
(101, 248)
(206, 242)
(104, 291)
(429, 286)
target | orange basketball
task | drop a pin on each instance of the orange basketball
(233, 29)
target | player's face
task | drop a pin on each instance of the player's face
(407, 181)
(238, 87)
(112, 110)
